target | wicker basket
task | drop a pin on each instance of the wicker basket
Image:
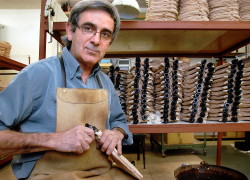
(5, 48)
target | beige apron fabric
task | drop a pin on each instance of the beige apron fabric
(75, 107)
(7, 173)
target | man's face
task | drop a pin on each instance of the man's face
(89, 50)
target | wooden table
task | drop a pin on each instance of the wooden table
(183, 127)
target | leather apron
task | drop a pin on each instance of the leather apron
(77, 107)
(6, 172)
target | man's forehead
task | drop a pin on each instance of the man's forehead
(97, 18)
(91, 13)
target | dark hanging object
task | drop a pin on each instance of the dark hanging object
(166, 90)
(137, 90)
(200, 93)
(144, 89)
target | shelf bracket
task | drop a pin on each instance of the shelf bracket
(49, 12)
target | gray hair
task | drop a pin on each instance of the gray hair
(84, 5)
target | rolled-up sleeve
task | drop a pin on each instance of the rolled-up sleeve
(15, 102)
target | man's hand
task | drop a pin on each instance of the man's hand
(75, 140)
(110, 140)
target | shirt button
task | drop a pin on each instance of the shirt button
(71, 75)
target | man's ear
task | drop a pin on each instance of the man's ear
(69, 31)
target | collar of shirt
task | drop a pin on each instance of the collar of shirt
(74, 67)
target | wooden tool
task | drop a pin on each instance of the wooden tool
(121, 161)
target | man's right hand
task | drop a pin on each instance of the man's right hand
(74, 140)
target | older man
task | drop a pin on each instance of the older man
(45, 107)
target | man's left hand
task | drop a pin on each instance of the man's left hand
(110, 140)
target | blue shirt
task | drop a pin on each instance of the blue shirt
(28, 103)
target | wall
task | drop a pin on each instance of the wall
(21, 30)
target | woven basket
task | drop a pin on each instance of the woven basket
(5, 48)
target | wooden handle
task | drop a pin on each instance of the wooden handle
(124, 164)
(121, 161)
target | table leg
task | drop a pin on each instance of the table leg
(218, 156)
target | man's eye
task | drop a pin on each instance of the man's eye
(87, 28)
(106, 34)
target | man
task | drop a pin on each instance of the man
(30, 122)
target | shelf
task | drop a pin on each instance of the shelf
(183, 127)
(7, 63)
(177, 38)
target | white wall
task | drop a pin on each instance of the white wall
(21, 30)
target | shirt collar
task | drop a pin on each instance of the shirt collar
(73, 66)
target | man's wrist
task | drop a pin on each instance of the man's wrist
(125, 136)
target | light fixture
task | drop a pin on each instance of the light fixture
(128, 9)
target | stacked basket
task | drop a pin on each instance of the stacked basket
(193, 10)
(165, 10)
(5, 49)
(244, 6)
(224, 10)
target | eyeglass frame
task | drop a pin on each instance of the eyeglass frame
(94, 31)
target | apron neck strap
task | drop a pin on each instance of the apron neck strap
(64, 74)
(62, 71)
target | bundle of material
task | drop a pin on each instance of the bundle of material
(230, 106)
(193, 10)
(237, 92)
(161, 89)
(145, 105)
(154, 66)
(244, 9)
(226, 92)
(162, 10)
(5, 48)
(224, 10)
(133, 92)
(121, 87)
(140, 92)
(196, 91)
(168, 89)
(178, 68)
(119, 79)
(244, 107)
(219, 92)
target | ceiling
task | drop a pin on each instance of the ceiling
(36, 4)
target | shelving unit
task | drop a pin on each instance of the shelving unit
(163, 147)
(191, 39)
(7, 63)
(179, 38)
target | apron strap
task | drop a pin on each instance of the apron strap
(62, 71)
(99, 81)
(64, 74)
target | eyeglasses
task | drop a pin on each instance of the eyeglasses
(90, 31)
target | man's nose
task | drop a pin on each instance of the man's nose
(96, 38)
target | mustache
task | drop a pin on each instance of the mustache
(93, 48)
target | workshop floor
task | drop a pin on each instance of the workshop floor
(159, 168)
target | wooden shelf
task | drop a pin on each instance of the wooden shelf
(178, 38)
(7, 63)
(190, 127)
